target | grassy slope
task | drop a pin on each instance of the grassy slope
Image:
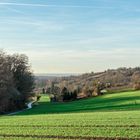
(111, 102)
(115, 115)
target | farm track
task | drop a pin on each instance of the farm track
(63, 137)
(29, 106)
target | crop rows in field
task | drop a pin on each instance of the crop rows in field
(71, 133)
(48, 126)
(103, 125)
(107, 125)
(31, 137)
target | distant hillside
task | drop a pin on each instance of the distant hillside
(91, 84)
(55, 74)
(43, 79)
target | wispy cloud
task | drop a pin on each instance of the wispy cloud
(49, 5)
(34, 24)
(15, 10)
(72, 36)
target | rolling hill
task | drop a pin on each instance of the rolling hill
(112, 116)
(110, 102)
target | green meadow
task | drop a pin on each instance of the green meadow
(111, 116)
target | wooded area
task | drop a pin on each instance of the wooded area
(91, 84)
(16, 82)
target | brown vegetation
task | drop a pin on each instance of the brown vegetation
(16, 82)
(92, 84)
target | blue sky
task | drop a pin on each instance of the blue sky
(72, 36)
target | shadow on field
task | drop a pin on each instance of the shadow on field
(86, 105)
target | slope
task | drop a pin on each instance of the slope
(110, 102)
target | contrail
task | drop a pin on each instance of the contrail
(25, 4)
(48, 5)
(38, 5)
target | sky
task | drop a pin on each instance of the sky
(72, 36)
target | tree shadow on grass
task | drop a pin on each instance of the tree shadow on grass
(86, 105)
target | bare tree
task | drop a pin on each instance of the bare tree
(16, 81)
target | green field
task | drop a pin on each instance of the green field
(110, 116)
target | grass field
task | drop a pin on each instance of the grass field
(110, 116)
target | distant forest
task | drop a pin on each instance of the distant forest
(89, 84)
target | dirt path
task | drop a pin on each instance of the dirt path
(29, 106)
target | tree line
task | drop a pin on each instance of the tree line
(93, 84)
(16, 82)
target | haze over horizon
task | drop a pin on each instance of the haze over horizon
(69, 36)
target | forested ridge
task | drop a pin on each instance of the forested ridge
(91, 84)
